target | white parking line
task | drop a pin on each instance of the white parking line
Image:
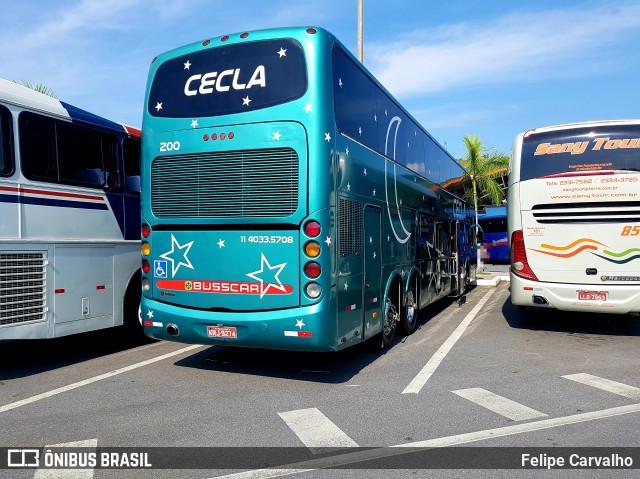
(68, 473)
(498, 404)
(465, 438)
(620, 389)
(54, 392)
(316, 430)
(423, 376)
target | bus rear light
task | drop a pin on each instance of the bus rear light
(225, 38)
(222, 136)
(145, 284)
(146, 248)
(313, 290)
(312, 229)
(519, 263)
(311, 31)
(146, 266)
(206, 42)
(230, 135)
(145, 231)
(214, 137)
(312, 249)
(205, 137)
(312, 269)
(244, 35)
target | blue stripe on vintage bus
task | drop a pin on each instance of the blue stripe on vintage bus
(30, 200)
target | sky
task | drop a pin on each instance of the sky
(492, 68)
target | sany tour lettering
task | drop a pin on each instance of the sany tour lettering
(223, 81)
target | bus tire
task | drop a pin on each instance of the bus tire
(409, 316)
(390, 319)
(132, 320)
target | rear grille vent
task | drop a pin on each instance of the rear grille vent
(594, 212)
(22, 287)
(350, 235)
(238, 184)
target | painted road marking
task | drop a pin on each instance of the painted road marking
(423, 376)
(54, 392)
(315, 430)
(620, 389)
(68, 473)
(465, 438)
(505, 407)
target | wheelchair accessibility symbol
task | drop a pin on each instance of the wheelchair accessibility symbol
(159, 269)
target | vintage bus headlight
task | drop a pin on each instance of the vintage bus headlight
(313, 290)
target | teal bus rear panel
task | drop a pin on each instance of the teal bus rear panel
(288, 201)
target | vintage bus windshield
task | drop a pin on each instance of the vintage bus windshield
(229, 79)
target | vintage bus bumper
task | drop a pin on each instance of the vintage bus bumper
(307, 328)
(613, 298)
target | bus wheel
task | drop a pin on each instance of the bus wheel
(132, 315)
(410, 311)
(389, 326)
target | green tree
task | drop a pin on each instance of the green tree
(484, 165)
(39, 87)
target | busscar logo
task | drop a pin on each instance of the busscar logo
(23, 458)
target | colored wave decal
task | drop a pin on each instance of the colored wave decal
(567, 255)
(620, 255)
(571, 245)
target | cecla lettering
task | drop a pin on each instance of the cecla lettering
(223, 81)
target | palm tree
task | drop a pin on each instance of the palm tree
(484, 165)
(39, 87)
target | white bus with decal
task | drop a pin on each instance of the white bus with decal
(69, 218)
(574, 217)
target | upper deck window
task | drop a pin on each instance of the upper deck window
(576, 150)
(229, 79)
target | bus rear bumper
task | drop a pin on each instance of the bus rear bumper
(298, 329)
(616, 299)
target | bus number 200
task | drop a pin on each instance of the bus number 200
(169, 145)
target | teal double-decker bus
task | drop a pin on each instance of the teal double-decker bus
(288, 201)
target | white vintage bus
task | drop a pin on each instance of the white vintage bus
(69, 218)
(574, 217)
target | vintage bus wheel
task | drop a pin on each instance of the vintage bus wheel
(410, 311)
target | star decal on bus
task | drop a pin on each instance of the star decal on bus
(194, 123)
(307, 108)
(274, 280)
(187, 64)
(180, 251)
(158, 106)
(246, 100)
(282, 52)
(277, 135)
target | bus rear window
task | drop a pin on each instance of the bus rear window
(578, 150)
(229, 79)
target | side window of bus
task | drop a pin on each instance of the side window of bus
(131, 150)
(80, 155)
(6, 144)
(38, 146)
